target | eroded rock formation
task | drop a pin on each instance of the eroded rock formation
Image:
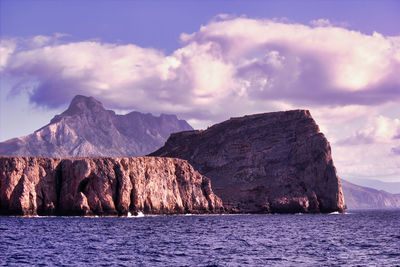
(103, 186)
(272, 162)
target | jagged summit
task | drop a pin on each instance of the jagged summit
(83, 104)
(86, 128)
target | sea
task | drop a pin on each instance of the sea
(357, 238)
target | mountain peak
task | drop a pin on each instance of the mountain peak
(82, 98)
(86, 128)
(82, 104)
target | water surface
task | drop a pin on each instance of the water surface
(358, 238)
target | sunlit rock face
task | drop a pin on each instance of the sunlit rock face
(87, 129)
(103, 186)
(273, 162)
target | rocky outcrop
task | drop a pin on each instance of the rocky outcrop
(103, 186)
(87, 129)
(360, 197)
(272, 162)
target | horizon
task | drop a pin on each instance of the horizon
(206, 62)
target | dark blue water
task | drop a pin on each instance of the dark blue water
(359, 238)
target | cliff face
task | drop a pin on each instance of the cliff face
(87, 129)
(103, 186)
(360, 197)
(272, 162)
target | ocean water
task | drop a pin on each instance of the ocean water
(358, 238)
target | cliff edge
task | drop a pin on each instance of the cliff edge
(103, 186)
(272, 162)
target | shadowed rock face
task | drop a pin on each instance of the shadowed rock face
(103, 186)
(272, 162)
(87, 129)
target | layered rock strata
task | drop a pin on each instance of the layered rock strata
(103, 186)
(273, 162)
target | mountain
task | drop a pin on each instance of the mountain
(86, 128)
(272, 162)
(391, 187)
(103, 186)
(359, 197)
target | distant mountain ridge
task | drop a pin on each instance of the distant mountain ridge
(359, 197)
(86, 128)
(390, 187)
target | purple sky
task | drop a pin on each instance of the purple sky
(209, 60)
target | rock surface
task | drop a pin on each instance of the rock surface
(103, 186)
(273, 162)
(360, 197)
(87, 129)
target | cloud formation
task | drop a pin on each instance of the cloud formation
(372, 150)
(327, 23)
(7, 48)
(231, 66)
(379, 129)
(396, 150)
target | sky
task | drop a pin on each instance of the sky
(207, 61)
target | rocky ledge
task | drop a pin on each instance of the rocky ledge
(273, 162)
(103, 186)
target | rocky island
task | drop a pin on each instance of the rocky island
(265, 163)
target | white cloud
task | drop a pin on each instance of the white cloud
(7, 48)
(41, 40)
(379, 129)
(373, 161)
(371, 151)
(321, 23)
(230, 60)
(396, 150)
(231, 67)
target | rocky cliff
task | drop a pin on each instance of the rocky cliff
(87, 129)
(103, 186)
(272, 162)
(360, 197)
